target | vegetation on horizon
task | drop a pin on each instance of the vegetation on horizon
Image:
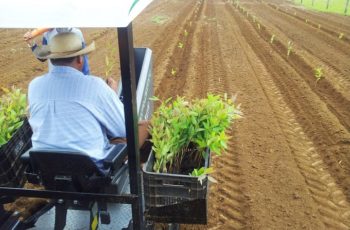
(321, 5)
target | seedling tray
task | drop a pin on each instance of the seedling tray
(174, 198)
(11, 167)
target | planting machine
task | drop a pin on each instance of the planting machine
(79, 196)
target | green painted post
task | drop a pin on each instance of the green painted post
(346, 7)
(327, 4)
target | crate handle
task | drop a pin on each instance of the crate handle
(174, 185)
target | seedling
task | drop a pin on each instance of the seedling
(185, 33)
(202, 173)
(254, 18)
(159, 19)
(187, 128)
(318, 73)
(319, 26)
(180, 45)
(109, 61)
(306, 20)
(289, 47)
(259, 26)
(272, 38)
(173, 71)
(341, 35)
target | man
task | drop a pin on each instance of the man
(49, 33)
(72, 111)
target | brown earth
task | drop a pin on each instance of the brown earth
(288, 162)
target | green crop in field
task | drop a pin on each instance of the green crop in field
(160, 19)
(185, 33)
(335, 6)
(109, 60)
(173, 71)
(318, 72)
(272, 38)
(289, 48)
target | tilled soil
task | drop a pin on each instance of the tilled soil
(288, 162)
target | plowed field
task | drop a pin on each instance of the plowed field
(288, 163)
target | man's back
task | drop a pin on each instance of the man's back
(71, 111)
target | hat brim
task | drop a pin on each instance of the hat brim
(44, 52)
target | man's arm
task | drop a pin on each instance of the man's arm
(143, 134)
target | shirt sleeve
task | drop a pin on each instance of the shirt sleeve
(112, 111)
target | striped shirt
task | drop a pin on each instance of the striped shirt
(72, 111)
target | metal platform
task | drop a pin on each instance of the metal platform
(79, 220)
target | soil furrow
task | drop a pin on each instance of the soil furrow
(175, 75)
(321, 26)
(305, 116)
(312, 172)
(312, 42)
(336, 101)
(338, 22)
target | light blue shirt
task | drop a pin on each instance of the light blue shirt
(72, 111)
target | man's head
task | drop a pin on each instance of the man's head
(65, 49)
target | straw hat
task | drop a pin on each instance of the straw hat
(63, 45)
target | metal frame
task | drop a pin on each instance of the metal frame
(127, 65)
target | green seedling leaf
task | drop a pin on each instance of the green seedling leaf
(185, 33)
(289, 48)
(318, 72)
(272, 38)
(160, 19)
(13, 105)
(173, 72)
(180, 45)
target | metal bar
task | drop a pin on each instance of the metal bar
(127, 67)
(109, 198)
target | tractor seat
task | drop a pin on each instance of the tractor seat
(73, 171)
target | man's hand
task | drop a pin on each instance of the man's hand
(112, 83)
(143, 134)
(27, 36)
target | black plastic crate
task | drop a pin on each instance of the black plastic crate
(174, 198)
(11, 167)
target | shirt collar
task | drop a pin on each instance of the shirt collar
(65, 70)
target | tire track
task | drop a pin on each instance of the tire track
(233, 210)
(334, 207)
